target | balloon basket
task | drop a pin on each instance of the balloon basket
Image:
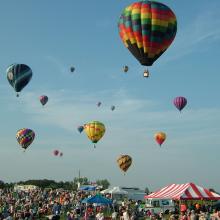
(146, 73)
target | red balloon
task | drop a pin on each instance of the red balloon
(55, 152)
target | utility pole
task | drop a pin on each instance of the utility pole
(78, 184)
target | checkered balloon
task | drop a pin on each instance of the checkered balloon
(25, 137)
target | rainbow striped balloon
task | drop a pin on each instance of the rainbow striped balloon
(147, 29)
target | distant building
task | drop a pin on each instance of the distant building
(134, 193)
(120, 193)
(25, 187)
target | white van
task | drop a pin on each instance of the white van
(160, 205)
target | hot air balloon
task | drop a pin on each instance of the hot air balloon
(80, 128)
(99, 104)
(43, 99)
(147, 29)
(124, 162)
(18, 76)
(25, 137)
(55, 152)
(72, 69)
(160, 137)
(112, 107)
(95, 131)
(125, 69)
(61, 154)
(180, 102)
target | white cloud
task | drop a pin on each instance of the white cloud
(129, 129)
(132, 117)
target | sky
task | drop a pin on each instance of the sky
(51, 36)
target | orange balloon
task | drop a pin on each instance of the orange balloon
(160, 137)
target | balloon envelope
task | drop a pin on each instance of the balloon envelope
(160, 137)
(43, 99)
(99, 104)
(147, 29)
(112, 107)
(55, 152)
(18, 76)
(94, 130)
(61, 154)
(180, 102)
(25, 137)
(72, 69)
(80, 128)
(124, 162)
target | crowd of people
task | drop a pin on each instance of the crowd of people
(35, 204)
(52, 204)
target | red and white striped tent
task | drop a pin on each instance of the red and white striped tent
(186, 191)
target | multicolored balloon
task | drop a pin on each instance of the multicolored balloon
(147, 29)
(99, 104)
(180, 102)
(55, 152)
(80, 128)
(18, 75)
(124, 162)
(25, 137)
(160, 137)
(112, 107)
(95, 131)
(43, 99)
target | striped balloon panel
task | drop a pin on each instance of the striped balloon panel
(147, 29)
(94, 130)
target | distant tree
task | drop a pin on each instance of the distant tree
(2, 185)
(40, 183)
(81, 180)
(104, 183)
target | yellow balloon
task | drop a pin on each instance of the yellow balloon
(94, 130)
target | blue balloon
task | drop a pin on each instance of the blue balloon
(80, 128)
(19, 75)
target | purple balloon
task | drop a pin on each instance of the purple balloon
(43, 99)
(180, 102)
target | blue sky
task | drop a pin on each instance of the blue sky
(50, 36)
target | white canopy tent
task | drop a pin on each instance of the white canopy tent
(114, 190)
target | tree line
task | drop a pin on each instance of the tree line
(67, 185)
